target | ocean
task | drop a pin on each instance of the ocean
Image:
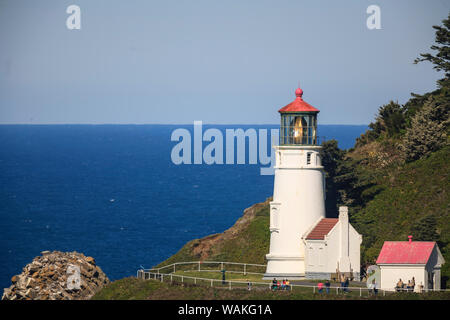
(112, 192)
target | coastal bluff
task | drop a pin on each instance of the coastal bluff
(57, 276)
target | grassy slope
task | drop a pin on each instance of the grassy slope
(405, 195)
(132, 289)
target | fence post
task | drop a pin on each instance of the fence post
(199, 266)
(170, 277)
(181, 279)
(337, 292)
(314, 289)
(229, 284)
(162, 278)
(212, 283)
(360, 292)
(245, 269)
(174, 269)
(195, 280)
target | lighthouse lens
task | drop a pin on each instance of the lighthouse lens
(298, 129)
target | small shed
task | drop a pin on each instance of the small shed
(407, 259)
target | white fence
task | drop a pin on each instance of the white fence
(201, 266)
(244, 267)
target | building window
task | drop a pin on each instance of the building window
(274, 216)
(308, 158)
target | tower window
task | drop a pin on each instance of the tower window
(308, 158)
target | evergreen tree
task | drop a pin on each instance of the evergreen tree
(427, 132)
(331, 156)
(390, 121)
(441, 59)
(425, 229)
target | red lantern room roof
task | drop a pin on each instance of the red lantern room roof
(298, 105)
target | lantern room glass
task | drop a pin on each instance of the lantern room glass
(298, 129)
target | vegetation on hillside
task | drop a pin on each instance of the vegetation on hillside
(396, 178)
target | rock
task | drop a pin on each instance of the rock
(29, 282)
(57, 276)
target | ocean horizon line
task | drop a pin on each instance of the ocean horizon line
(162, 124)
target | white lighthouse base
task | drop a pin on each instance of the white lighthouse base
(285, 267)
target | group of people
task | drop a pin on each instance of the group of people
(408, 287)
(345, 281)
(277, 285)
(320, 286)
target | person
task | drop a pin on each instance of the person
(370, 287)
(342, 282)
(283, 284)
(420, 287)
(399, 286)
(408, 286)
(327, 286)
(374, 287)
(417, 288)
(249, 285)
(288, 284)
(320, 287)
(274, 284)
(346, 283)
(223, 276)
(413, 283)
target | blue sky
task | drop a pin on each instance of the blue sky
(227, 62)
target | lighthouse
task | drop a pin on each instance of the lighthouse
(299, 190)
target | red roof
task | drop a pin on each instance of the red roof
(405, 252)
(298, 105)
(322, 229)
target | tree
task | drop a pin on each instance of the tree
(331, 156)
(441, 59)
(389, 121)
(425, 229)
(391, 118)
(427, 132)
(342, 184)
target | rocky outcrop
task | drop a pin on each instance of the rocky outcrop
(57, 276)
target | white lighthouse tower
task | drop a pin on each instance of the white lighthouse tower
(299, 190)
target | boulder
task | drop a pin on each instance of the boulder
(57, 276)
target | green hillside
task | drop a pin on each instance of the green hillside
(408, 197)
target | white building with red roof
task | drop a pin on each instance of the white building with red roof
(297, 212)
(407, 259)
(332, 247)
